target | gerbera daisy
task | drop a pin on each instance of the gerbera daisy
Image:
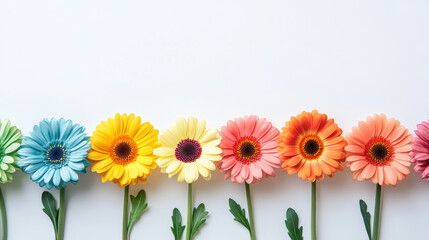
(312, 145)
(420, 153)
(122, 152)
(10, 141)
(248, 154)
(379, 150)
(53, 154)
(188, 150)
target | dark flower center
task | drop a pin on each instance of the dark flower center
(123, 150)
(56, 154)
(378, 151)
(247, 150)
(311, 147)
(188, 150)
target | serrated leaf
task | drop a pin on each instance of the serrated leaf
(366, 217)
(177, 227)
(239, 213)
(50, 208)
(138, 205)
(199, 216)
(292, 225)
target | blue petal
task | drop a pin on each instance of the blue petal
(77, 166)
(73, 174)
(57, 178)
(32, 167)
(48, 175)
(37, 134)
(33, 143)
(65, 174)
(39, 173)
(54, 130)
(65, 130)
(45, 129)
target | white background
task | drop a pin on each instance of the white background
(217, 60)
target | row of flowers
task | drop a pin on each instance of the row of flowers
(125, 150)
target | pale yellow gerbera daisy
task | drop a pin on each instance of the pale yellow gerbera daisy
(188, 150)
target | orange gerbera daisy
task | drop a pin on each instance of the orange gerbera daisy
(379, 150)
(312, 145)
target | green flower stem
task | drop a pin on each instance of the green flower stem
(376, 212)
(125, 214)
(60, 235)
(249, 209)
(188, 224)
(313, 210)
(3, 217)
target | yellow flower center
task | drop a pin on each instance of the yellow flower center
(311, 147)
(123, 150)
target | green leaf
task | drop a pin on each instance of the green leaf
(199, 216)
(50, 208)
(239, 213)
(177, 227)
(366, 217)
(292, 225)
(138, 205)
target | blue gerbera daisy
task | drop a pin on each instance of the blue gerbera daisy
(54, 153)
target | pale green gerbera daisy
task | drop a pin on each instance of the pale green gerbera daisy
(10, 141)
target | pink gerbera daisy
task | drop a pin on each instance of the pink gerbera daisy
(249, 149)
(379, 150)
(420, 153)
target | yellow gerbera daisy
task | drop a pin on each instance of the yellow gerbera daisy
(188, 150)
(122, 149)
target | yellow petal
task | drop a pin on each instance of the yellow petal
(201, 128)
(191, 127)
(212, 150)
(213, 143)
(163, 151)
(207, 164)
(147, 150)
(209, 135)
(173, 166)
(169, 140)
(180, 176)
(203, 170)
(191, 172)
(97, 156)
(118, 171)
(165, 161)
(101, 166)
(132, 170)
(181, 128)
(211, 157)
(145, 128)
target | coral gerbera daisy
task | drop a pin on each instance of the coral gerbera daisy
(249, 153)
(10, 141)
(312, 145)
(420, 153)
(188, 150)
(53, 154)
(379, 150)
(249, 149)
(122, 152)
